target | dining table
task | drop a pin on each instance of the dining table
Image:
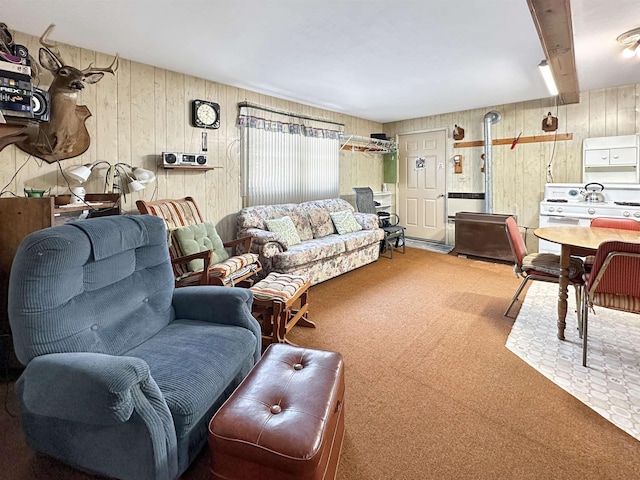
(578, 241)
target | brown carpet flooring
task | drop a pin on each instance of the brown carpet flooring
(432, 392)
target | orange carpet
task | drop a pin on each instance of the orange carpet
(432, 391)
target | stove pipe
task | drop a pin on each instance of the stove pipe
(490, 118)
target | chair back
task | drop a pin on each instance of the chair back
(175, 213)
(614, 281)
(518, 247)
(364, 200)
(103, 285)
(621, 223)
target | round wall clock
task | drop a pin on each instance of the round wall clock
(205, 114)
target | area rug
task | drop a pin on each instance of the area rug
(610, 384)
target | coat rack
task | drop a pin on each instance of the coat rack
(366, 144)
(510, 140)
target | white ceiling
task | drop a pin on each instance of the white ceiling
(383, 60)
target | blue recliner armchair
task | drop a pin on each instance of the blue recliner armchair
(123, 372)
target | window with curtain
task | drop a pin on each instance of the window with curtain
(287, 158)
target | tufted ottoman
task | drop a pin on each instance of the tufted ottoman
(274, 305)
(285, 421)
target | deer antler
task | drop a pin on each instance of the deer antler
(51, 47)
(109, 69)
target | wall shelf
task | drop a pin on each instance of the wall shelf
(357, 143)
(509, 141)
(189, 167)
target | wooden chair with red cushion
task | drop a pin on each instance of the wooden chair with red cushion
(544, 267)
(614, 282)
(606, 222)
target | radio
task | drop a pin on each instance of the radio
(173, 159)
(15, 94)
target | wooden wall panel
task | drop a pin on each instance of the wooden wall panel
(520, 174)
(143, 111)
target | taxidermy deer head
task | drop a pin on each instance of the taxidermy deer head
(65, 134)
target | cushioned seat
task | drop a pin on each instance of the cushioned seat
(198, 255)
(285, 422)
(123, 370)
(544, 267)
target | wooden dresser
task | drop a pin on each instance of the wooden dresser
(20, 216)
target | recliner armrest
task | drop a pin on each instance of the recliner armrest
(223, 305)
(90, 388)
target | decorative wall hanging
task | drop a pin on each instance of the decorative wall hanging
(420, 163)
(65, 134)
(457, 164)
(549, 123)
(458, 132)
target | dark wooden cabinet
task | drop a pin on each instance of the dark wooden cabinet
(20, 216)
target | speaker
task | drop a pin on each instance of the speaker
(20, 51)
(170, 158)
(40, 105)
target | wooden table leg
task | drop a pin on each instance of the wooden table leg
(565, 259)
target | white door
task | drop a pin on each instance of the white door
(422, 180)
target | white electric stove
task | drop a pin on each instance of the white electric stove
(563, 204)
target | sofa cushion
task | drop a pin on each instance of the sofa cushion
(310, 251)
(362, 239)
(344, 222)
(301, 221)
(285, 227)
(199, 238)
(321, 224)
(218, 351)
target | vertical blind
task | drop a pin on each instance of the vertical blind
(287, 158)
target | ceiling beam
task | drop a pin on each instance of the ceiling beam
(552, 19)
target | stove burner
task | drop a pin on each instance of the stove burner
(557, 200)
(628, 204)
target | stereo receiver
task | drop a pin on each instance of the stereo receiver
(173, 159)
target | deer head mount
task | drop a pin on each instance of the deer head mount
(65, 134)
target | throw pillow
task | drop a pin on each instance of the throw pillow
(345, 222)
(198, 238)
(285, 227)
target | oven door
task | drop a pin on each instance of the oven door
(557, 221)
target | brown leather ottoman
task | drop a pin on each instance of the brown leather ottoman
(285, 421)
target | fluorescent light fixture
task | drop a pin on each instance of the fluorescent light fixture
(545, 70)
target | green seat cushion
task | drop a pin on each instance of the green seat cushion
(285, 227)
(199, 238)
(345, 222)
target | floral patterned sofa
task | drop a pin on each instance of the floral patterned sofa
(322, 253)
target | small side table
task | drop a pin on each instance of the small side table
(280, 301)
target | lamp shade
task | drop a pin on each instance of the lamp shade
(80, 174)
(135, 186)
(143, 175)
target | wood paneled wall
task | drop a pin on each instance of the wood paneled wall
(143, 111)
(519, 174)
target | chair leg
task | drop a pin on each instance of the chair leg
(578, 289)
(516, 295)
(585, 317)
